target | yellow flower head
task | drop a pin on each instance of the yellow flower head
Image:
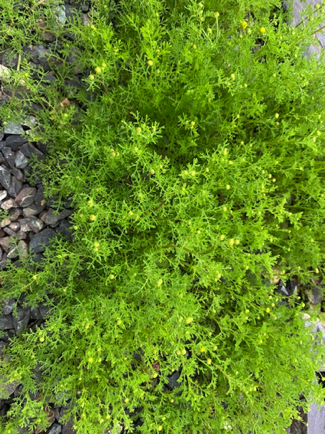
(92, 218)
(243, 25)
(202, 349)
(98, 69)
(189, 320)
(216, 14)
(262, 30)
(91, 77)
(150, 62)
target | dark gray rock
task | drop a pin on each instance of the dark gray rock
(49, 78)
(15, 187)
(14, 142)
(22, 318)
(5, 177)
(28, 150)
(8, 306)
(172, 380)
(6, 322)
(71, 13)
(49, 218)
(9, 156)
(31, 224)
(64, 229)
(18, 174)
(39, 195)
(26, 196)
(3, 261)
(21, 160)
(35, 313)
(44, 310)
(42, 240)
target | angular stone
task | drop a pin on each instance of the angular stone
(10, 232)
(26, 196)
(13, 253)
(30, 122)
(5, 222)
(14, 213)
(8, 388)
(12, 128)
(8, 306)
(22, 249)
(39, 195)
(35, 313)
(5, 177)
(55, 429)
(59, 12)
(9, 156)
(44, 310)
(28, 150)
(21, 160)
(21, 235)
(315, 296)
(3, 194)
(42, 240)
(65, 230)
(18, 174)
(5, 243)
(22, 318)
(33, 210)
(6, 322)
(49, 218)
(3, 261)
(10, 203)
(15, 187)
(14, 142)
(31, 224)
(14, 226)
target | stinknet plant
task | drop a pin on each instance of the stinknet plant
(194, 156)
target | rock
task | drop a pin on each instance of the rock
(13, 253)
(172, 380)
(31, 224)
(22, 318)
(15, 187)
(73, 58)
(14, 213)
(49, 78)
(35, 313)
(64, 229)
(6, 322)
(39, 55)
(12, 128)
(21, 235)
(20, 160)
(5, 222)
(8, 306)
(316, 419)
(3, 261)
(71, 13)
(42, 240)
(9, 156)
(59, 12)
(18, 174)
(85, 20)
(10, 203)
(22, 249)
(49, 218)
(33, 210)
(3, 194)
(30, 122)
(8, 388)
(5, 177)
(39, 195)
(55, 429)
(14, 226)
(28, 150)
(26, 196)
(14, 142)
(315, 296)
(10, 232)
(6, 243)
(68, 428)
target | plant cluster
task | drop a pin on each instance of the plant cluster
(196, 169)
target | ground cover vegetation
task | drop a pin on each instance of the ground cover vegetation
(195, 161)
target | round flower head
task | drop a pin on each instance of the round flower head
(91, 77)
(262, 30)
(98, 69)
(243, 25)
(150, 62)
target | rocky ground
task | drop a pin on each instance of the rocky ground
(32, 220)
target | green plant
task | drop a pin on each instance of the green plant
(195, 173)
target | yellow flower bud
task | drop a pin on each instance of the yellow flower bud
(262, 30)
(138, 130)
(34, 277)
(231, 242)
(150, 62)
(209, 361)
(276, 115)
(92, 218)
(222, 237)
(216, 14)
(189, 320)
(243, 25)
(202, 349)
(98, 69)
(91, 77)
(159, 283)
(41, 339)
(90, 360)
